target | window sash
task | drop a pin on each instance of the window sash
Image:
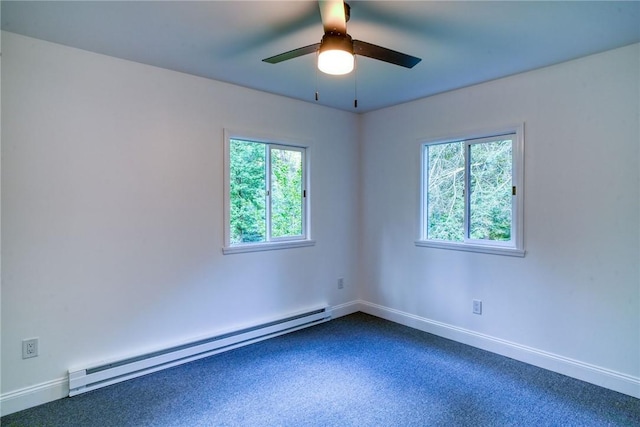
(469, 192)
(270, 195)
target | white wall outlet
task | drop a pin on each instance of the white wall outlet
(340, 283)
(477, 306)
(29, 348)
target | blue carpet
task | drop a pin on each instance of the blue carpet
(357, 370)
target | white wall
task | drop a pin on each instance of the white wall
(112, 216)
(574, 298)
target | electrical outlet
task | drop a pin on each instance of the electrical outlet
(29, 348)
(340, 283)
(477, 306)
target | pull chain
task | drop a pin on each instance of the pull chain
(355, 82)
(316, 75)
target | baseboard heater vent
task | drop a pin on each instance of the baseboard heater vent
(84, 380)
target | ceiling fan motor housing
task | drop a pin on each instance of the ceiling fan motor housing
(336, 41)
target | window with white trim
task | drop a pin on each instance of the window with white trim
(266, 200)
(472, 193)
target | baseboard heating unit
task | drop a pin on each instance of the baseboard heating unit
(83, 380)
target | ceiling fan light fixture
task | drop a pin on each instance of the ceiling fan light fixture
(336, 62)
(336, 54)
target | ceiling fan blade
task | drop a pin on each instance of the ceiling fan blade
(292, 54)
(384, 54)
(333, 16)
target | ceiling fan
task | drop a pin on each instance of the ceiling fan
(337, 49)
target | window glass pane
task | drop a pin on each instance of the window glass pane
(445, 192)
(286, 192)
(490, 198)
(247, 191)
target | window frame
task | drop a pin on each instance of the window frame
(515, 247)
(270, 243)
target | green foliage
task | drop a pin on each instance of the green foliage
(446, 191)
(248, 191)
(490, 190)
(490, 199)
(286, 193)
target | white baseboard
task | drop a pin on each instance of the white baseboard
(603, 377)
(29, 397)
(345, 309)
(49, 391)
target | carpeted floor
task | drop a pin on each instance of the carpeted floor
(357, 370)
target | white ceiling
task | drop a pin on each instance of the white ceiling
(460, 43)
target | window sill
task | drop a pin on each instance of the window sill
(271, 246)
(494, 250)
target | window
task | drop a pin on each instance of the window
(266, 201)
(471, 193)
